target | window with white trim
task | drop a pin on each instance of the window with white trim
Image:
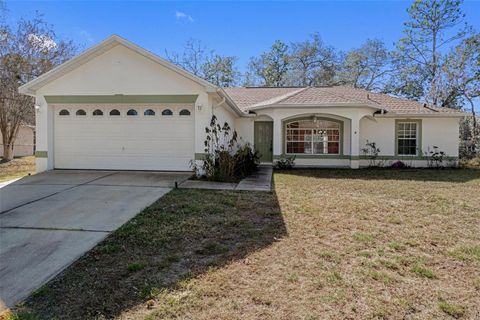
(407, 138)
(312, 137)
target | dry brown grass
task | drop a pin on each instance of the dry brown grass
(17, 168)
(357, 245)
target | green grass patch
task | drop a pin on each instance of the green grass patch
(454, 310)
(466, 252)
(334, 277)
(395, 245)
(22, 316)
(381, 276)
(363, 237)
(212, 248)
(40, 292)
(136, 266)
(422, 271)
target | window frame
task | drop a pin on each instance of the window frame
(185, 115)
(167, 115)
(97, 115)
(312, 140)
(418, 138)
(64, 115)
(81, 115)
(151, 114)
(114, 115)
(131, 115)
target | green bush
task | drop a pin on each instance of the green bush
(246, 160)
(285, 163)
(223, 162)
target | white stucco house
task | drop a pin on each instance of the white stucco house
(118, 106)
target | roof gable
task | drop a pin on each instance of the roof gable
(31, 87)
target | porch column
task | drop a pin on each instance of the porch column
(277, 137)
(355, 143)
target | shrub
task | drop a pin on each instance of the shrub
(285, 163)
(470, 163)
(371, 152)
(246, 160)
(398, 165)
(435, 157)
(222, 163)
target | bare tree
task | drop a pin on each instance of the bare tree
(28, 50)
(205, 63)
(313, 63)
(272, 67)
(367, 67)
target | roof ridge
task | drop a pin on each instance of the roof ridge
(344, 97)
(278, 99)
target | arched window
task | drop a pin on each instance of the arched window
(81, 112)
(98, 112)
(132, 112)
(64, 112)
(167, 112)
(149, 112)
(316, 136)
(184, 112)
(114, 112)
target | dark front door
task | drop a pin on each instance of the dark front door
(263, 140)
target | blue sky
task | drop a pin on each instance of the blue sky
(243, 29)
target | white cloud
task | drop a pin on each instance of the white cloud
(183, 16)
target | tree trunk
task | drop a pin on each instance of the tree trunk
(475, 132)
(9, 135)
(7, 153)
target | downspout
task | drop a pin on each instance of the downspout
(218, 104)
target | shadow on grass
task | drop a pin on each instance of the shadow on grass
(433, 175)
(179, 237)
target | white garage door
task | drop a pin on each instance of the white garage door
(96, 137)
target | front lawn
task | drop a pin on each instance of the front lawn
(327, 244)
(17, 168)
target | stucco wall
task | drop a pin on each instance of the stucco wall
(23, 143)
(440, 132)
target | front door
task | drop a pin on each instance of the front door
(263, 140)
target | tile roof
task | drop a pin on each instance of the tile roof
(248, 98)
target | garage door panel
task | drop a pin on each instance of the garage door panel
(123, 143)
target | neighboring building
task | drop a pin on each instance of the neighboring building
(24, 143)
(118, 106)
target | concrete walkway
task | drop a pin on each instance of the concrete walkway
(49, 220)
(261, 180)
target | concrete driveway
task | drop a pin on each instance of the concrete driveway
(49, 220)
